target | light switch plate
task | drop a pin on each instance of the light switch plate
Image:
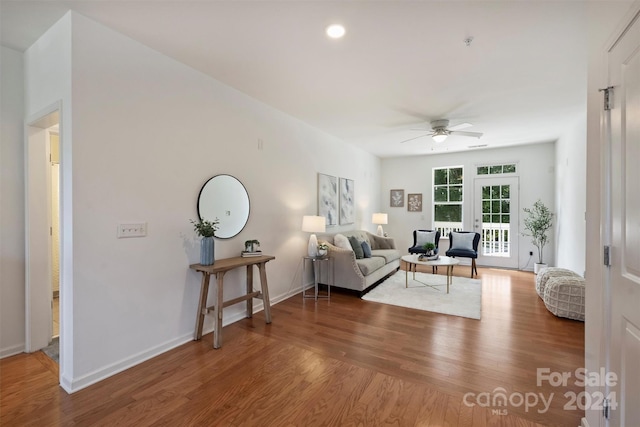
(132, 229)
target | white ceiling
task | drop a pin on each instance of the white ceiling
(522, 79)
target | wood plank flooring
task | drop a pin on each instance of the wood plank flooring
(341, 362)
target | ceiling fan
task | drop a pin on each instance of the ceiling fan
(440, 131)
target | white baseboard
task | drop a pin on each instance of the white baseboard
(12, 350)
(71, 385)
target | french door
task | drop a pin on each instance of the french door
(496, 219)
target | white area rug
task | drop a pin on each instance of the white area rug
(464, 298)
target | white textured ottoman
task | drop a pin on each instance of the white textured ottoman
(564, 296)
(549, 272)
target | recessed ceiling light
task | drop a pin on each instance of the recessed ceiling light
(335, 31)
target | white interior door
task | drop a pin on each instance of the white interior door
(496, 219)
(624, 274)
(39, 324)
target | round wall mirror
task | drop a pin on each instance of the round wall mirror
(225, 198)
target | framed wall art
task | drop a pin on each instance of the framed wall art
(396, 199)
(414, 202)
(347, 201)
(328, 198)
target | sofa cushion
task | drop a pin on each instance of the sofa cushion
(366, 249)
(369, 265)
(387, 254)
(356, 247)
(342, 242)
(380, 242)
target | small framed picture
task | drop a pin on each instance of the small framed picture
(396, 198)
(414, 202)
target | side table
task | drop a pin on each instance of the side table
(318, 264)
(218, 269)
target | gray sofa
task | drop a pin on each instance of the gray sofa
(360, 274)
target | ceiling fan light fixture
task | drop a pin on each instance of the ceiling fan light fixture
(335, 31)
(439, 135)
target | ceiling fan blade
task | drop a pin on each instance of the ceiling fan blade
(461, 126)
(462, 133)
(411, 139)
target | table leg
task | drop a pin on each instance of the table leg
(202, 305)
(265, 291)
(218, 309)
(249, 290)
(333, 276)
(316, 278)
(406, 275)
(449, 276)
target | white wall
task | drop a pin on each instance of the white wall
(147, 133)
(12, 325)
(571, 194)
(535, 166)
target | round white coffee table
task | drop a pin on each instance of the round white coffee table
(442, 261)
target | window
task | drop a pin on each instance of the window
(447, 199)
(496, 169)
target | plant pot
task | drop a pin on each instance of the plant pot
(538, 267)
(322, 252)
(207, 251)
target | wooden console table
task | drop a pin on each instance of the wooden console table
(219, 268)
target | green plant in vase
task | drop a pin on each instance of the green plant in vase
(207, 230)
(323, 249)
(429, 247)
(251, 245)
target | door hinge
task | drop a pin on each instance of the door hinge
(607, 256)
(608, 92)
(606, 409)
(50, 231)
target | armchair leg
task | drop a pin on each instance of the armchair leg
(473, 267)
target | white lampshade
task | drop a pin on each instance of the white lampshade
(380, 218)
(313, 224)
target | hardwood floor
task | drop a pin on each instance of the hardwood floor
(341, 362)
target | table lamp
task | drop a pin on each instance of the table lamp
(313, 224)
(379, 218)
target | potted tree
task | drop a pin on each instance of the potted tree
(537, 222)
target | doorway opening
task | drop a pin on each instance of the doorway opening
(43, 243)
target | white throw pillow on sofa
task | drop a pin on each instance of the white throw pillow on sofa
(341, 241)
(463, 240)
